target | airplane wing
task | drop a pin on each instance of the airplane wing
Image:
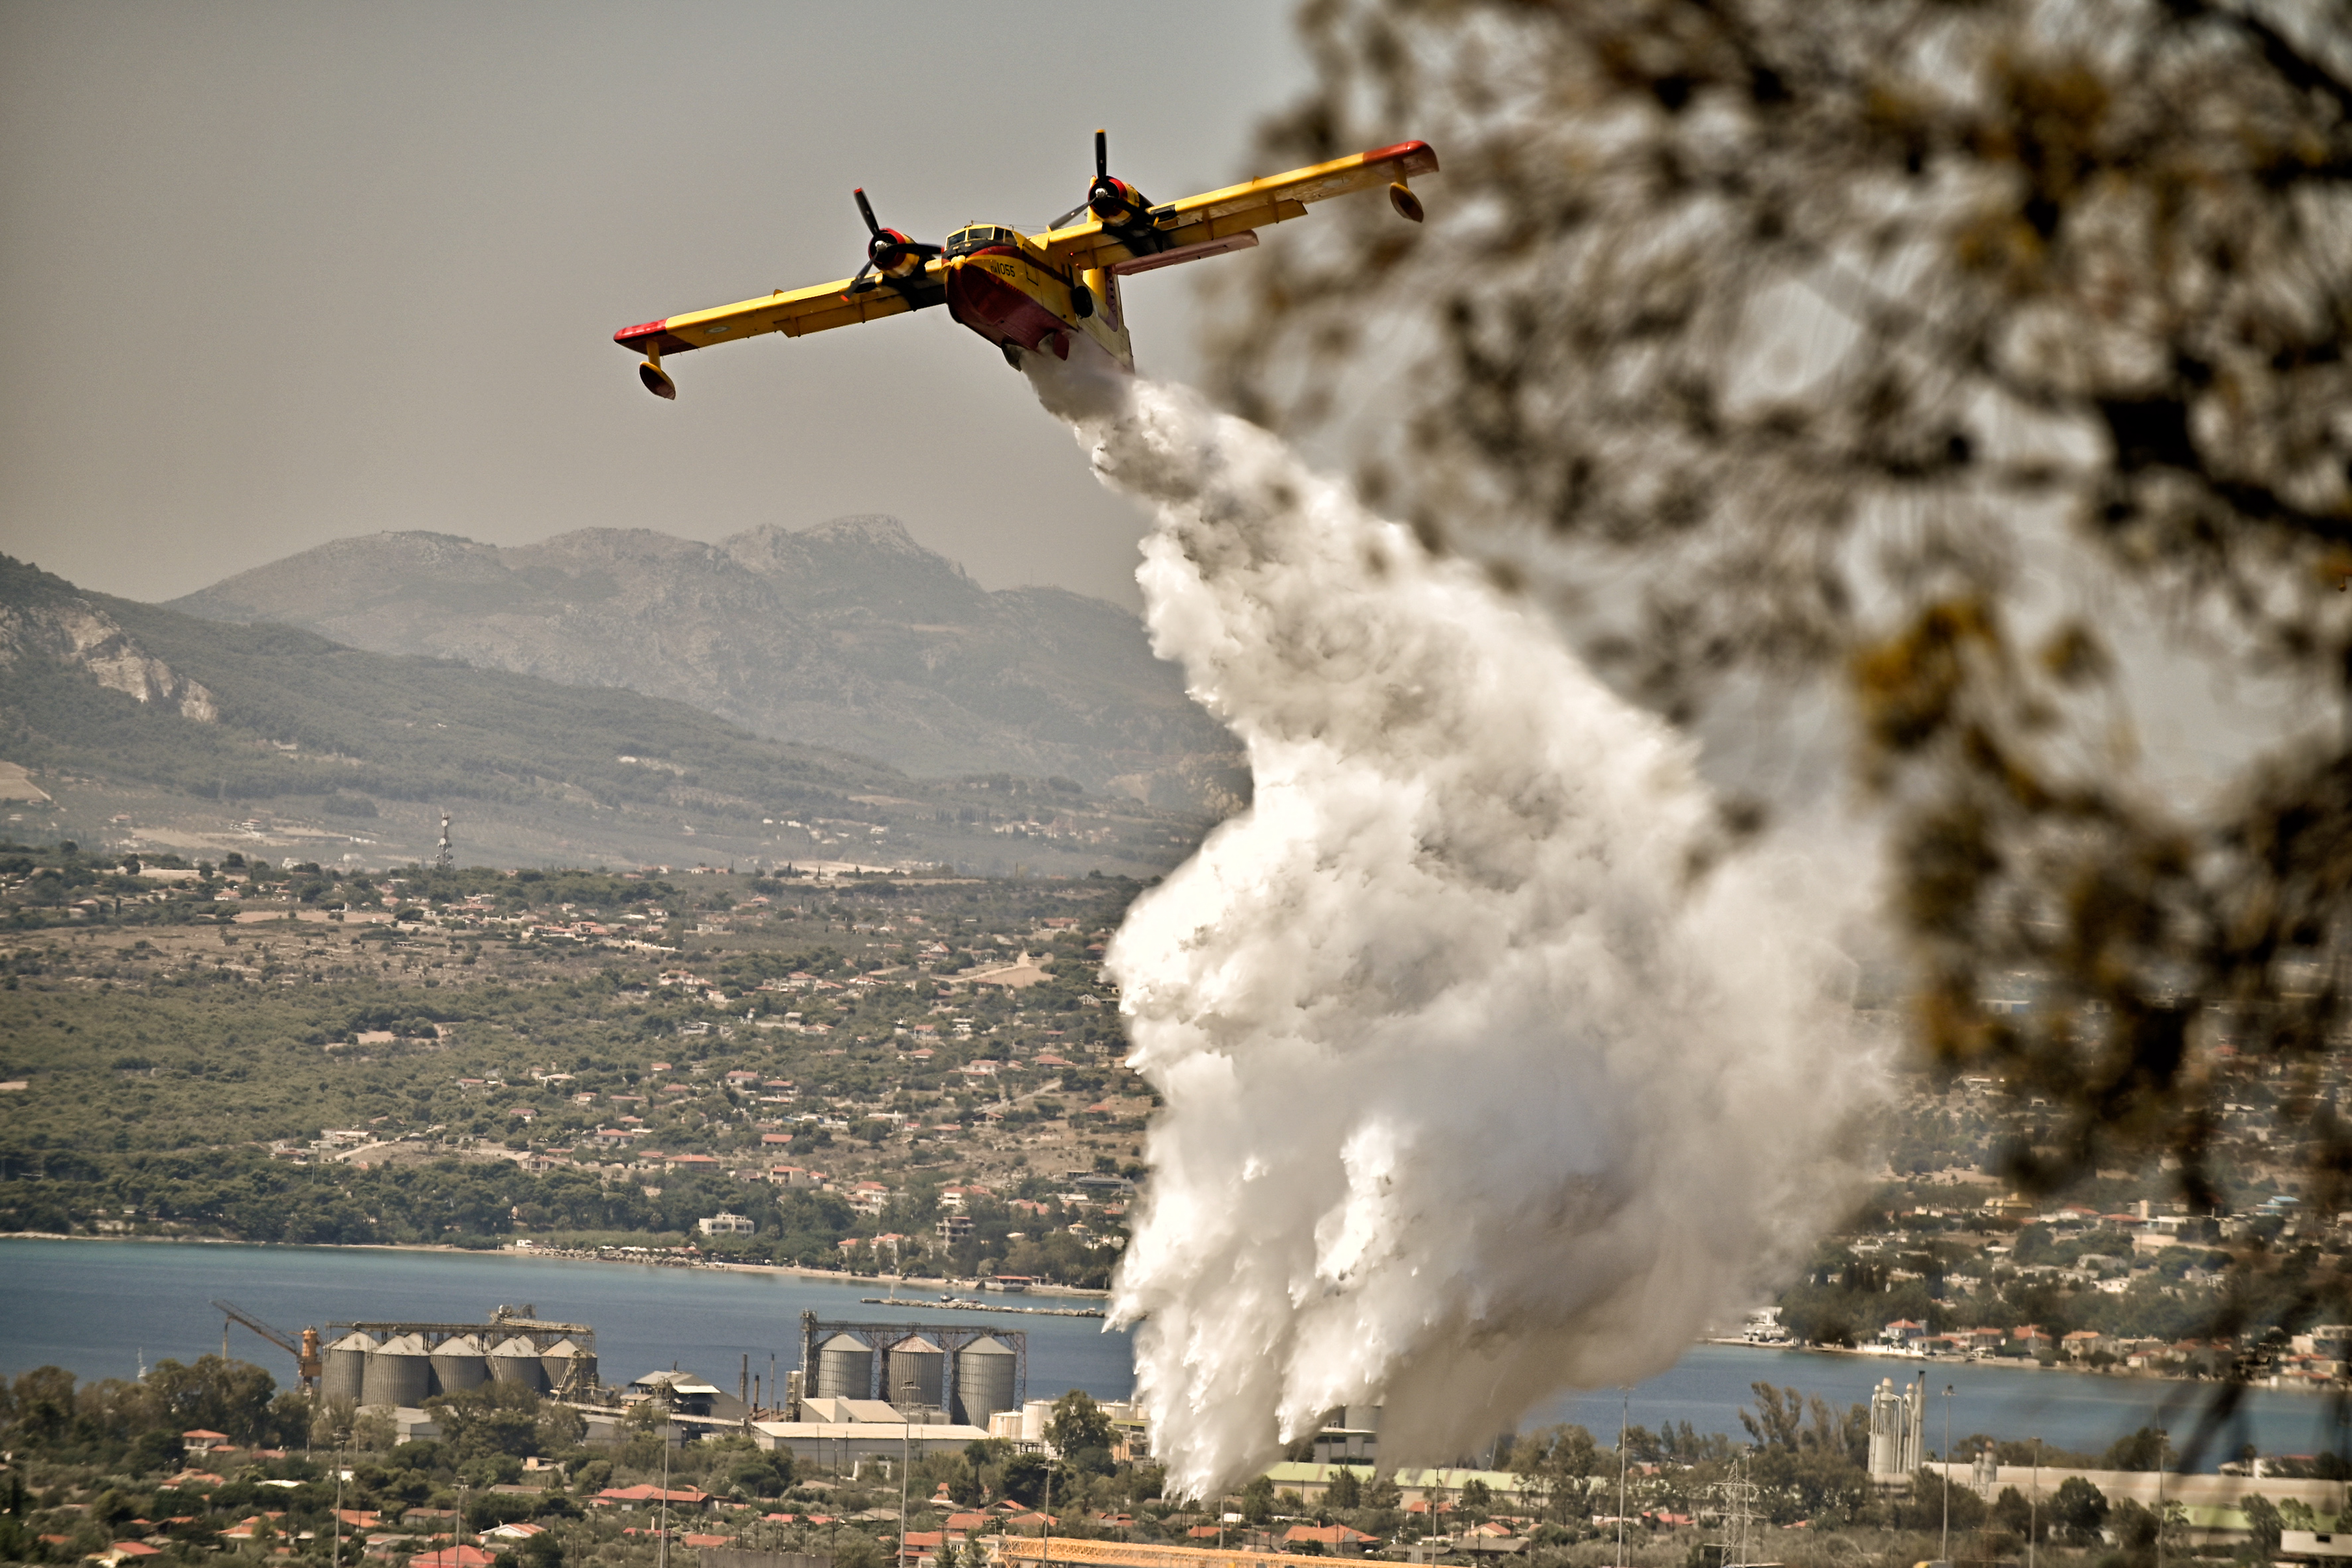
(1218, 221)
(794, 313)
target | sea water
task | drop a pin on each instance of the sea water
(96, 1308)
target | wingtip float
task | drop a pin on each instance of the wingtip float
(1053, 292)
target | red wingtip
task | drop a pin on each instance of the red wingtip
(1418, 157)
(630, 337)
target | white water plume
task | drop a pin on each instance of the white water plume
(1477, 1087)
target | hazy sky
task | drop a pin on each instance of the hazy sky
(276, 274)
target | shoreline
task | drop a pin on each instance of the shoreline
(2021, 1365)
(559, 1255)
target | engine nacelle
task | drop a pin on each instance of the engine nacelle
(1114, 201)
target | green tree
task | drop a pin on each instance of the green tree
(1554, 1467)
(215, 1396)
(1026, 1476)
(1080, 1432)
(763, 1474)
(2264, 1524)
(1832, 334)
(2140, 1451)
(2015, 1512)
(497, 1418)
(1257, 1500)
(2079, 1510)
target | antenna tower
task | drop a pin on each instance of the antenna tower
(446, 858)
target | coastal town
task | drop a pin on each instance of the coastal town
(918, 1080)
(885, 1073)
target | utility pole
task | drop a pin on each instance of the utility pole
(1947, 1476)
(1625, 1418)
(2034, 1506)
(1047, 1560)
(2160, 1498)
(906, 1464)
(661, 1557)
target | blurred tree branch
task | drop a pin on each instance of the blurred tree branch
(1815, 332)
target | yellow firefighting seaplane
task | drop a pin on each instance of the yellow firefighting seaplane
(1041, 293)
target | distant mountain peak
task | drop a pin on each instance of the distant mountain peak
(849, 633)
(870, 528)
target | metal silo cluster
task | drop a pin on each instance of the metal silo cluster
(413, 1361)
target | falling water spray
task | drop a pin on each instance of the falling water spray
(1484, 1077)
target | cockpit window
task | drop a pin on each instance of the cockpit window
(978, 236)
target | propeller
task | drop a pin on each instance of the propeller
(1113, 201)
(888, 251)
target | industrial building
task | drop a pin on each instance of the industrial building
(402, 1364)
(930, 1371)
(1898, 1431)
(838, 1433)
(880, 1390)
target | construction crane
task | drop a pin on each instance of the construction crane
(305, 1350)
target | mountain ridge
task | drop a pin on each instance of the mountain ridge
(848, 634)
(148, 729)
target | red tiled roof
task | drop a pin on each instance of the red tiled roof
(459, 1556)
(1326, 1535)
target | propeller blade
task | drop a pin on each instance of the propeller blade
(866, 211)
(864, 280)
(1067, 215)
(1102, 153)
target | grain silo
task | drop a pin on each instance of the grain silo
(914, 1375)
(458, 1364)
(984, 1380)
(397, 1373)
(344, 1374)
(516, 1361)
(555, 1364)
(844, 1368)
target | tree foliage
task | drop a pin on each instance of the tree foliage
(1976, 366)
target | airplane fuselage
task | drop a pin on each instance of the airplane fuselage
(1002, 287)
